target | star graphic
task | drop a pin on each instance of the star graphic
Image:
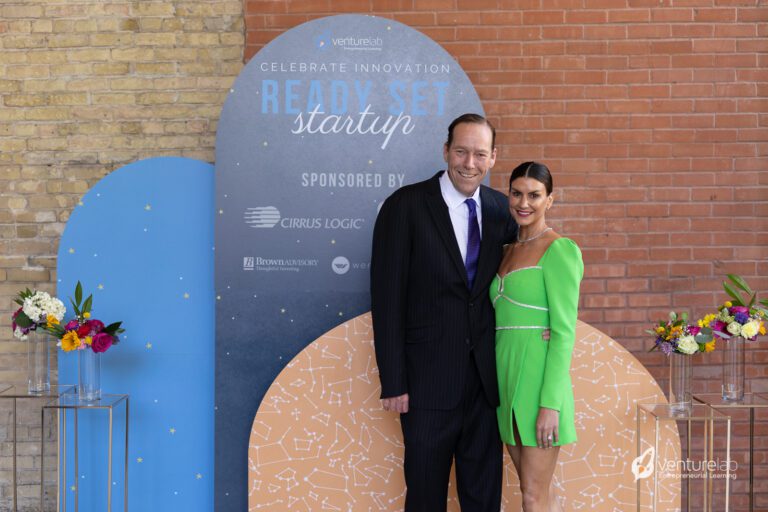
(73, 488)
(71, 250)
(199, 476)
(100, 287)
(148, 207)
(80, 203)
(282, 310)
(172, 430)
(186, 295)
(140, 460)
(333, 242)
(221, 212)
(149, 346)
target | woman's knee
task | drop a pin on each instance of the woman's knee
(534, 493)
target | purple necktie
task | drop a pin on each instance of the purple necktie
(473, 242)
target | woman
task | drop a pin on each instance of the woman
(537, 287)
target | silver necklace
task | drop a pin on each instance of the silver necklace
(534, 237)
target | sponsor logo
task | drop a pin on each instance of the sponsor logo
(261, 264)
(323, 41)
(269, 217)
(340, 265)
(262, 217)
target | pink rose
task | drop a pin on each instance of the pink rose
(101, 342)
(739, 309)
(71, 325)
(694, 330)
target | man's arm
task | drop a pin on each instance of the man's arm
(389, 280)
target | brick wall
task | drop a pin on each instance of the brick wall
(87, 87)
(654, 119)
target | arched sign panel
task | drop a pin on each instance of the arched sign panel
(320, 127)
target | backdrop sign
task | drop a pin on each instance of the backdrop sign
(320, 127)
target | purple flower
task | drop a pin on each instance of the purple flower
(719, 326)
(693, 330)
(738, 309)
(741, 317)
(71, 325)
(101, 342)
(666, 347)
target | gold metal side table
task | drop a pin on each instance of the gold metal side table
(750, 401)
(72, 402)
(665, 416)
(14, 394)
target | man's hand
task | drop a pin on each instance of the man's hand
(396, 403)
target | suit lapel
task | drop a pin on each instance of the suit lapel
(442, 219)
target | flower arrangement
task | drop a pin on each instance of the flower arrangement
(84, 332)
(678, 336)
(38, 311)
(740, 316)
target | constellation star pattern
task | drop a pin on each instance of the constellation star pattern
(321, 441)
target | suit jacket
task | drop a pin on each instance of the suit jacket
(425, 318)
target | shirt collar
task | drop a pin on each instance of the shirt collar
(453, 198)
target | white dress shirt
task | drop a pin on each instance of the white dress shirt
(459, 212)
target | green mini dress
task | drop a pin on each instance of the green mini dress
(534, 373)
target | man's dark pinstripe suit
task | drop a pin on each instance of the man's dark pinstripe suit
(434, 340)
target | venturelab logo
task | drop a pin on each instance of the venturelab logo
(642, 466)
(323, 41)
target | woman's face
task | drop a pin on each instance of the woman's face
(528, 201)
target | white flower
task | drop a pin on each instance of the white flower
(41, 305)
(734, 328)
(749, 329)
(19, 334)
(687, 345)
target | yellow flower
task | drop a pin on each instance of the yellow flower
(51, 320)
(88, 340)
(70, 341)
(704, 322)
(86, 315)
(727, 304)
(762, 328)
(709, 347)
(660, 330)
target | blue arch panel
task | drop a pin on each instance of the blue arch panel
(141, 241)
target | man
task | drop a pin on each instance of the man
(434, 256)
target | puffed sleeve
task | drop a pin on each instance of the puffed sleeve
(563, 269)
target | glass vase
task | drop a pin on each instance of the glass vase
(89, 375)
(38, 363)
(679, 382)
(733, 369)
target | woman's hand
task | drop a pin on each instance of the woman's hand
(547, 427)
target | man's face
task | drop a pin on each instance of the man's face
(470, 156)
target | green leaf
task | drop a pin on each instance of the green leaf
(78, 293)
(730, 291)
(23, 320)
(738, 281)
(88, 303)
(752, 300)
(74, 307)
(113, 328)
(19, 302)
